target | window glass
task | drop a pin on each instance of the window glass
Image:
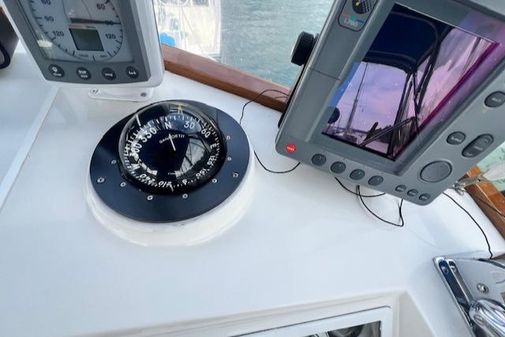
(255, 36)
(496, 158)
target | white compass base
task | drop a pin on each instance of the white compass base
(122, 94)
(185, 233)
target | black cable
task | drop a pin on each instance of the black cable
(358, 191)
(362, 200)
(275, 172)
(256, 98)
(487, 204)
(475, 221)
(400, 210)
(255, 154)
(356, 194)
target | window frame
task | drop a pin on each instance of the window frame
(226, 78)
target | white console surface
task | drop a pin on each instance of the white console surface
(303, 243)
(25, 100)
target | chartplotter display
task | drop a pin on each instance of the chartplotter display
(397, 90)
(401, 96)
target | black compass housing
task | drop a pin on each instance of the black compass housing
(136, 184)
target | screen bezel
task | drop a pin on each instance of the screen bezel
(454, 15)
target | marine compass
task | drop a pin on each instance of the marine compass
(171, 148)
(169, 163)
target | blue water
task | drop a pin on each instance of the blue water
(258, 35)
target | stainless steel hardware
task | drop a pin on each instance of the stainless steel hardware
(478, 288)
(489, 315)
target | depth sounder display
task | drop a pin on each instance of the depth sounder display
(85, 30)
(93, 43)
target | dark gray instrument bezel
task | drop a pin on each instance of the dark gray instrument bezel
(337, 50)
(132, 32)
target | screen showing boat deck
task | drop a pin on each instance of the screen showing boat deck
(416, 74)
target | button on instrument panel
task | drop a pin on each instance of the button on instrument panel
(355, 14)
(456, 138)
(362, 6)
(495, 100)
(478, 146)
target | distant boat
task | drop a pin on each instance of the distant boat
(191, 25)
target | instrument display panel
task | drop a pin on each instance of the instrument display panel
(401, 88)
(87, 31)
(91, 42)
(403, 97)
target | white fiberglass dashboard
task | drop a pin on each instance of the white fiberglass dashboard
(64, 273)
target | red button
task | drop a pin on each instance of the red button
(290, 148)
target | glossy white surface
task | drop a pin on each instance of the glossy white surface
(382, 315)
(25, 100)
(304, 250)
(185, 233)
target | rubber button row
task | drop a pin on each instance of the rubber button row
(412, 193)
(84, 74)
(340, 167)
(432, 172)
(360, 174)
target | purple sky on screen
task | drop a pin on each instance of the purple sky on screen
(466, 57)
(383, 85)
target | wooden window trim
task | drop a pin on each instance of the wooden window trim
(223, 77)
(245, 85)
(490, 200)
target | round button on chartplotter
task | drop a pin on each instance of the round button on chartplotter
(375, 181)
(357, 174)
(338, 167)
(401, 188)
(425, 197)
(412, 193)
(436, 171)
(319, 159)
(495, 100)
(456, 138)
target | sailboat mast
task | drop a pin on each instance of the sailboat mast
(355, 104)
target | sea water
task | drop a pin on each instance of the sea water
(258, 35)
